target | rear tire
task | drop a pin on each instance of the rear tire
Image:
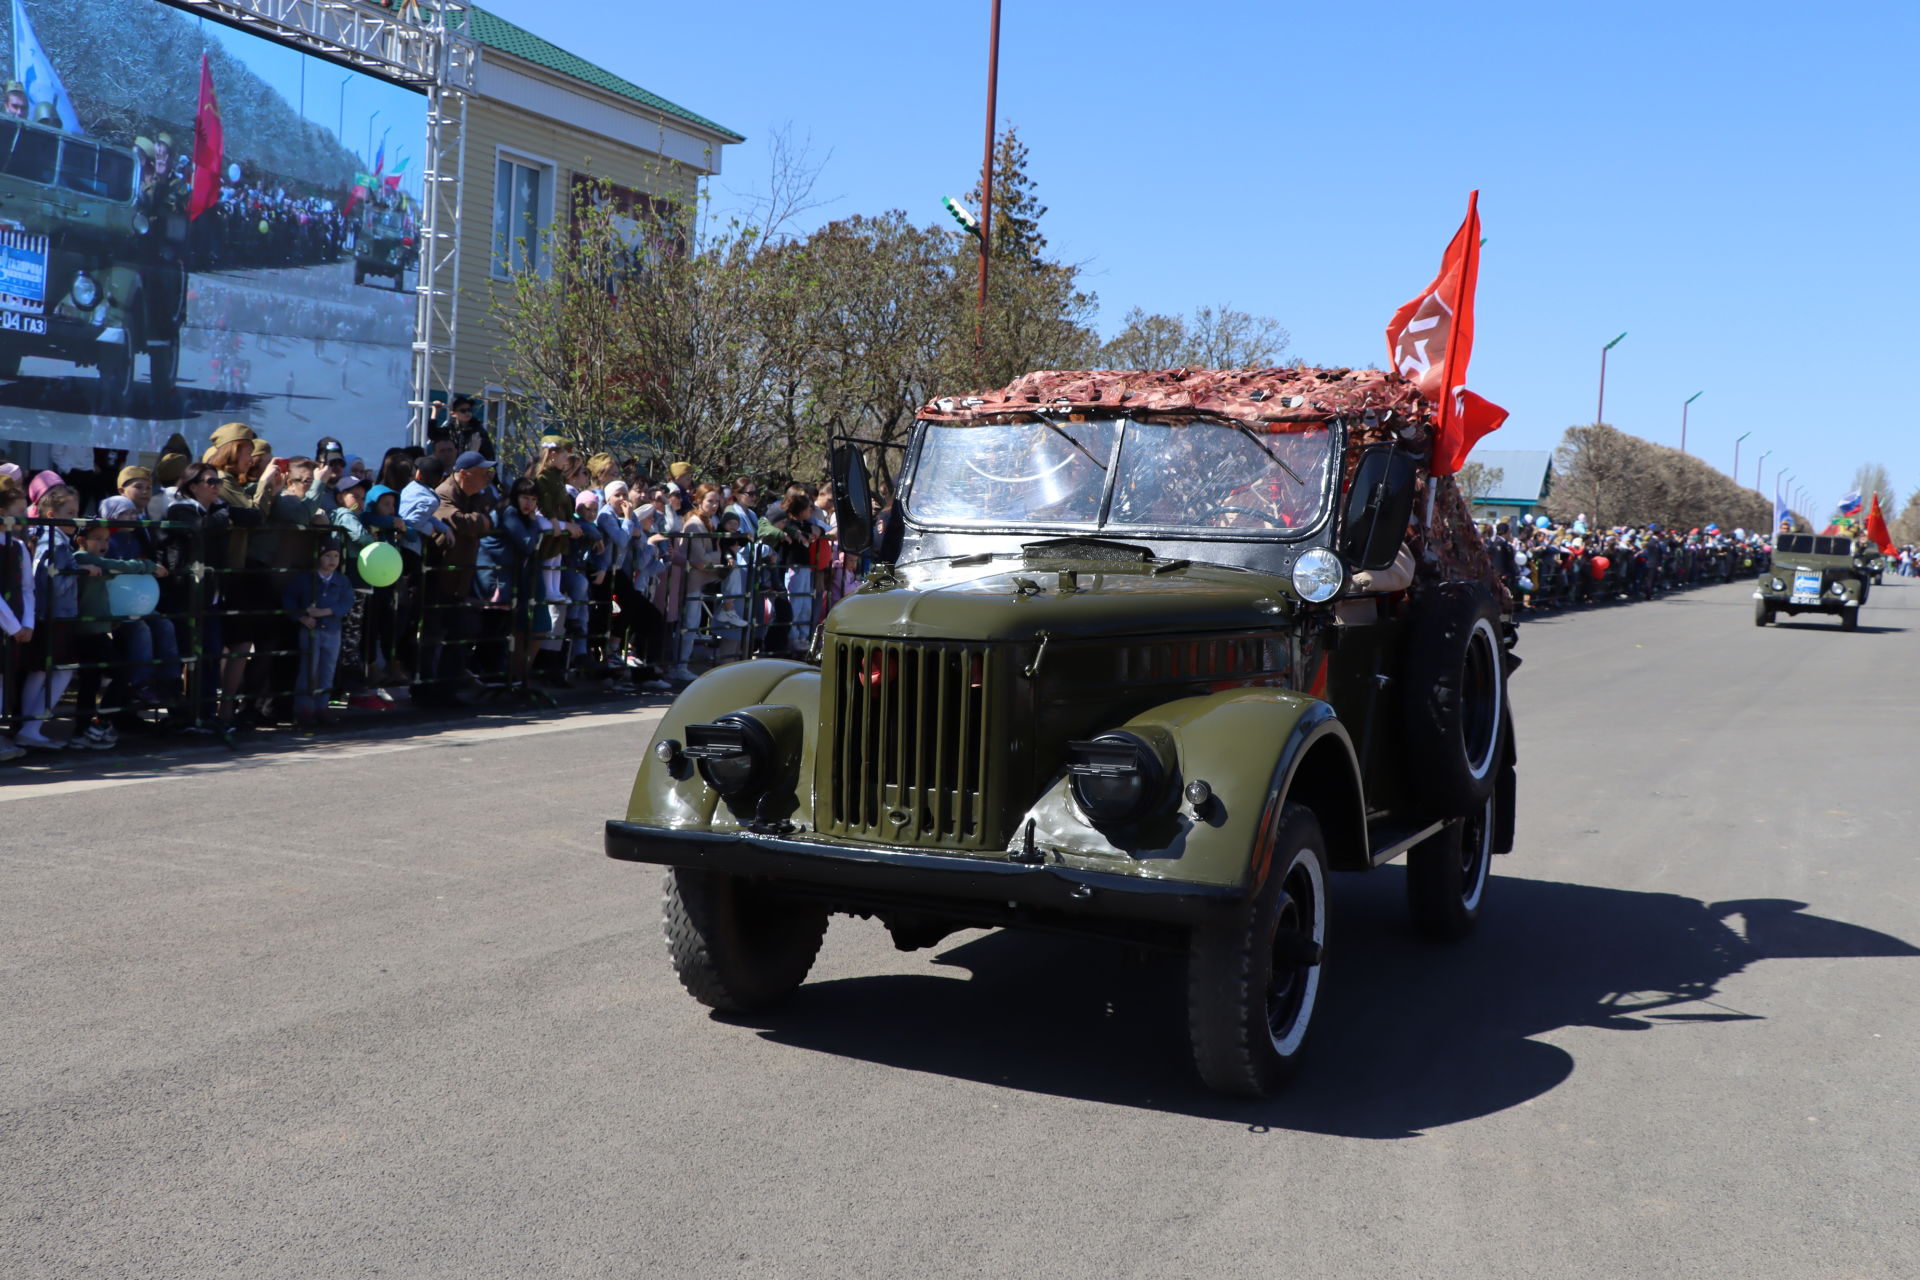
(736, 946)
(1456, 704)
(1447, 877)
(1253, 976)
(163, 370)
(116, 380)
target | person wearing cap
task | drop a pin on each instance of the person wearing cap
(468, 433)
(16, 100)
(451, 623)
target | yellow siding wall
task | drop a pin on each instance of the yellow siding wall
(496, 126)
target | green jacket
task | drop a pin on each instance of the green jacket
(96, 615)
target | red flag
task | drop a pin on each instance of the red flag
(1430, 341)
(208, 140)
(1877, 527)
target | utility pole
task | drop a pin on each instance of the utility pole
(986, 189)
(1736, 456)
(1758, 467)
(1683, 418)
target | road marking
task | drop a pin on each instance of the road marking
(464, 736)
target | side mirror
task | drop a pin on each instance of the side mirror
(1378, 508)
(854, 497)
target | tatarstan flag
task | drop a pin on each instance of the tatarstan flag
(1430, 341)
(209, 140)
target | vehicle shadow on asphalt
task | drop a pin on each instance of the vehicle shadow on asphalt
(1410, 1036)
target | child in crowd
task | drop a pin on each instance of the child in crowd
(56, 589)
(93, 636)
(320, 601)
(16, 598)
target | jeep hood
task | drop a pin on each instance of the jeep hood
(1012, 601)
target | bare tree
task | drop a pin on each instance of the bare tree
(1476, 481)
(1614, 478)
(1870, 478)
(1215, 338)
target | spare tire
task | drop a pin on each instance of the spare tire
(1456, 699)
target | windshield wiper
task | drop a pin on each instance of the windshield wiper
(1058, 430)
(1270, 453)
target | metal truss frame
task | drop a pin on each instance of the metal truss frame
(422, 44)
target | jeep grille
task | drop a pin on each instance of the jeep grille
(916, 738)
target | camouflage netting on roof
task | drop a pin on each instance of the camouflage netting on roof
(1246, 395)
(1379, 408)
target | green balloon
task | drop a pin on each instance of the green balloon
(379, 564)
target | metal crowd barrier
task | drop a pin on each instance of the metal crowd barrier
(439, 643)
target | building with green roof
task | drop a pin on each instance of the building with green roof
(543, 122)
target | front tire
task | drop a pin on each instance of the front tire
(736, 946)
(1850, 618)
(1762, 613)
(1253, 976)
(1447, 877)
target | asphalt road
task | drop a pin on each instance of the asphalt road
(383, 1009)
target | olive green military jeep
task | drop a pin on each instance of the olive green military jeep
(87, 275)
(1811, 573)
(1159, 652)
(384, 247)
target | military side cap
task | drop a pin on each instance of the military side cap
(230, 432)
(129, 474)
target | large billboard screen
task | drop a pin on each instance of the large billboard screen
(199, 225)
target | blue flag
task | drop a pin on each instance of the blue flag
(34, 70)
(1781, 512)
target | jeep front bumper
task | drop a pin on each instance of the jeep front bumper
(883, 876)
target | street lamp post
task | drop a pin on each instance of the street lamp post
(340, 126)
(1736, 456)
(1600, 412)
(1757, 468)
(370, 120)
(1683, 418)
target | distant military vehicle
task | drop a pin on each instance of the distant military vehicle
(1811, 573)
(87, 274)
(384, 247)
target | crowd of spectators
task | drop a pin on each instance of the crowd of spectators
(1547, 565)
(275, 602)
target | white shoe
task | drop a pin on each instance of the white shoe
(32, 735)
(655, 686)
(728, 618)
(8, 751)
(682, 674)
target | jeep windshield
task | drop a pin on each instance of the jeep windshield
(1265, 479)
(1812, 544)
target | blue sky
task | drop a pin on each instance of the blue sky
(336, 99)
(1733, 185)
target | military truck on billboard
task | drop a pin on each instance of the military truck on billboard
(384, 247)
(1158, 653)
(88, 275)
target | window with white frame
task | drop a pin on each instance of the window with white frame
(522, 204)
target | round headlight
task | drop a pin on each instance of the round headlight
(735, 754)
(1839, 589)
(140, 224)
(85, 291)
(1116, 778)
(1318, 575)
(1779, 585)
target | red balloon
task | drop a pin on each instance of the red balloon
(1600, 565)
